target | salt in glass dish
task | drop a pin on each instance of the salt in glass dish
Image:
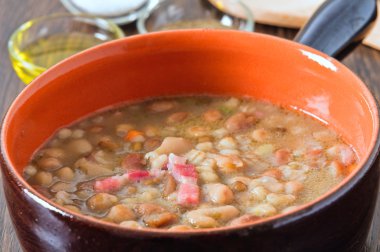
(118, 11)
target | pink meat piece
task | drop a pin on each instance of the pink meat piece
(188, 194)
(185, 173)
(115, 183)
(137, 175)
(110, 184)
(133, 161)
(173, 160)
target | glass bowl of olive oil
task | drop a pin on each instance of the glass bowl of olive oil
(41, 43)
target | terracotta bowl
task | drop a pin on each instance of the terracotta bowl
(183, 63)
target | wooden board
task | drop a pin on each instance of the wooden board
(373, 39)
(283, 13)
(286, 13)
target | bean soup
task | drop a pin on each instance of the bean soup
(190, 162)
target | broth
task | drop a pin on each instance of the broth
(190, 162)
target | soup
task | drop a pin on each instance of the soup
(190, 162)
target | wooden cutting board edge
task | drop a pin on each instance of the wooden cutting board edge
(296, 21)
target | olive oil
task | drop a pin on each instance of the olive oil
(45, 52)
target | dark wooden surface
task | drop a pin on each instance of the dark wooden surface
(365, 62)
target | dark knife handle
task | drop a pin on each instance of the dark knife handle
(339, 26)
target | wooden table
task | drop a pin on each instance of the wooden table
(364, 61)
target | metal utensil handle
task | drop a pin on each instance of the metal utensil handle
(339, 26)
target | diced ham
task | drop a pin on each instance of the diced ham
(137, 175)
(115, 183)
(188, 194)
(133, 161)
(187, 176)
(173, 160)
(185, 173)
(110, 184)
(182, 172)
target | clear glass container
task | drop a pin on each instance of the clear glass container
(40, 43)
(118, 11)
(184, 14)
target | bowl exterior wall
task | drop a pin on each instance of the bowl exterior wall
(343, 225)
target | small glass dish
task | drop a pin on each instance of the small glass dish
(120, 11)
(184, 14)
(41, 43)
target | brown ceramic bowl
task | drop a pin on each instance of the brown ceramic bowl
(183, 63)
(204, 62)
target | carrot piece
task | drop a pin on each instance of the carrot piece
(132, 134)
(351, 168)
